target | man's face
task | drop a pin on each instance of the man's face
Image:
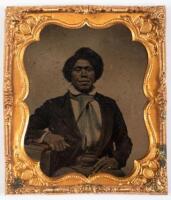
(83, 76)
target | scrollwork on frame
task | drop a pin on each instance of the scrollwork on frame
(23, 26)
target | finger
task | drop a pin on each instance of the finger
(61, 147)
(90, 156)
(97, 168)
(66, 144)
(107, 166)
(60, 144)
(52, 146)
(110, 163)
(100, 163)
(86, 159)
(57, 147)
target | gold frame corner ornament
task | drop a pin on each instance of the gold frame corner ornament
(23, 26)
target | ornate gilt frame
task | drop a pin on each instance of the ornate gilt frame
(23, 26)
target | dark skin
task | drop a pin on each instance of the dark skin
(82, 78)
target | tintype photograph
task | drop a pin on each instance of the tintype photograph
(85, 100)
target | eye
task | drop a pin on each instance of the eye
(89, 68)
(77, 69)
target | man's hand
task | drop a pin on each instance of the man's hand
(56, 142)
(106, 163)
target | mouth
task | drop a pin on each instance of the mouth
(84, 81)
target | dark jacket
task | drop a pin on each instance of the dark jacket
(57, 115)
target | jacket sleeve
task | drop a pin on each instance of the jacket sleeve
(122, 141)
(37, 123)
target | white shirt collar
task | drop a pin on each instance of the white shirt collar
(74, 91)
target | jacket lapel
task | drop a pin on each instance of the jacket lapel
(68, 116)
(107, 121)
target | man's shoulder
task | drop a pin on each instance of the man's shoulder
(107, 102)
(105, 98)
(57, 100)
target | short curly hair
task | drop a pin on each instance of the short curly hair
(87, 54)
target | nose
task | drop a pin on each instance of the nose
(83, 72)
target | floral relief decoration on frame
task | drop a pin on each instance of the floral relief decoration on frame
(23, 27)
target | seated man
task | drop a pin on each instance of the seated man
(83, 126)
